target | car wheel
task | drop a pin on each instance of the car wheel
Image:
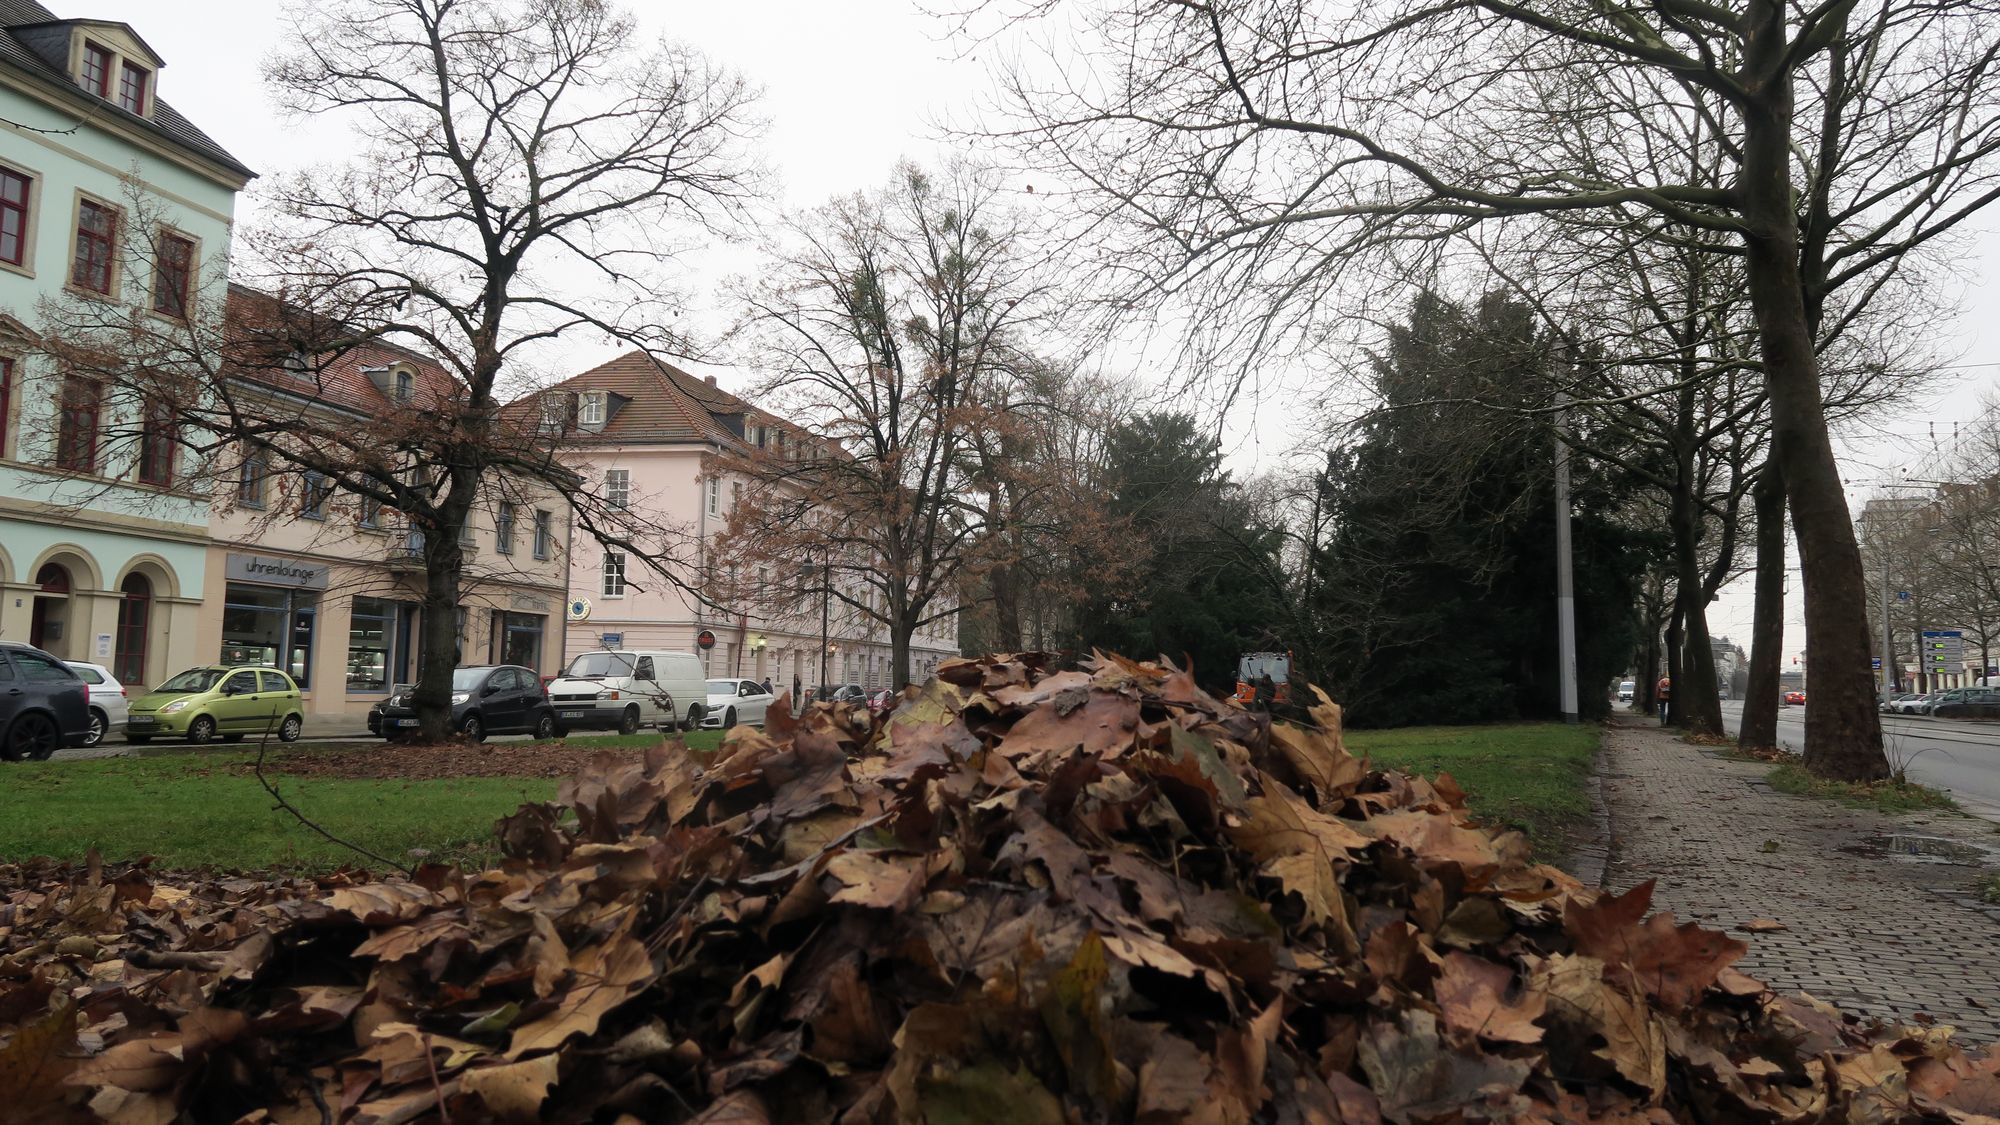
(628, 723)
(545, 726)
(473, 730)
(729, 718)
(32, 737)
(202, 729)
(98, 726)
(695, 714)
(291, 728)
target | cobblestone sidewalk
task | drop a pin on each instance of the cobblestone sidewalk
(1876, 934)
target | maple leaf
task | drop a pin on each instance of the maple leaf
(1472, 994)
(34, 1064)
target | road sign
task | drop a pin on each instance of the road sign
(706, 640)
(1944, 650)
(1902, 595)
(1876, 664)
(611, 640)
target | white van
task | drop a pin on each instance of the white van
(623, 691)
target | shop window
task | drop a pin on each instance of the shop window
(369, 629)
(519, 636)
(269, 626)
(77, 424)
(96, 234)
(135, 612)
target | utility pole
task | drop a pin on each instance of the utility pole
(825, 605)
(1565, 581)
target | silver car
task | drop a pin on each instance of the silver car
(107, 699)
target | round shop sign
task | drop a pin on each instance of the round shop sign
(579, 609)
(705, 639)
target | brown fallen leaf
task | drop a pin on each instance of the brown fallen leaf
(1762, 926)
(512, 1091)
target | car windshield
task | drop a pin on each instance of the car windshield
(722, 687)
(597, 665)
(194, 679)
(465, 679)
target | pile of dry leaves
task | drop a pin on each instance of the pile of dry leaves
(1024, 897)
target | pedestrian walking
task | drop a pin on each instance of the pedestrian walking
(1663, 693)
(798, 694)
(766, 685)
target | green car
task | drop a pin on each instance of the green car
(204, 704)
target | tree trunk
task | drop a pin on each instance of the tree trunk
(1843, 729)
(900, 631)
(1003, 583)
(431, 699)
(1759, 729)
(1675, 691)
(1695, 704)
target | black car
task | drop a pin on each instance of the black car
(486, 699)
(44, 705)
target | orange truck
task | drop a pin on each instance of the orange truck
(1252, 667)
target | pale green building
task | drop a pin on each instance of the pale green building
(107, 195)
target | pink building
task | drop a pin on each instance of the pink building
(642, 429)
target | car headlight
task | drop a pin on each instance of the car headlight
(400, 699)
(607, 695)
(176, 705)
(460, 696)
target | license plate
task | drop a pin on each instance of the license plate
(572, 714)
(406, 722)
(140, 721)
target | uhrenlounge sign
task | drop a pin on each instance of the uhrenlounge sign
(276, 572)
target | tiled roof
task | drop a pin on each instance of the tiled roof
(29, 52)
(667, 404)
(339, 381)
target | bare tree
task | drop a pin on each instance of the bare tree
(518, 163)
(895, 324)
(1237, 156)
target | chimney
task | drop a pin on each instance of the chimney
(709, 379)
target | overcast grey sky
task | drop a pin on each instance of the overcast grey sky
(851, 86)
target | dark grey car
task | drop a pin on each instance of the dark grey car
(44, 705)
(485, 699)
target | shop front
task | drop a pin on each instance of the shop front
(270, 610)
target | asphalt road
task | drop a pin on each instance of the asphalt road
(1959, 756)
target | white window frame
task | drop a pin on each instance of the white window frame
(590, 409)
(715, 496)
(618, 488)
(612, 583)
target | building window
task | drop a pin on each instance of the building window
(96, 69)
(312, 503)
(156, 445)
(614, 575)
(173, 274)
(714, 495)
(617, 488)
(14, 192)
(519, 637)
(132, 88)
(371, 513)
(269, 626)
(76, 425)
(96, 230)
(503, 528)
(252, 479)
(369, 628)
(135, 611)
(735, 494)
(544, 535)
(590, 409)
(406, 386)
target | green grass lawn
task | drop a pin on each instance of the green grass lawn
(1526, 775)
(193, 809)
(1882, 796)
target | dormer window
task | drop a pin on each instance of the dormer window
(590, 409)
(406, 385)
(96, 73)
(132, 87)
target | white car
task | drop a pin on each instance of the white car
(734, 702)
(107, 699)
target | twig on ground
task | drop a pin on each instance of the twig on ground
(263, 747)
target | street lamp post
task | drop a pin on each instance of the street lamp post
(1565, 582)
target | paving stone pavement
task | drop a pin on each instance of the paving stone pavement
(1877, 935)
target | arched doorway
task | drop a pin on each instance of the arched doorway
(135, 619)
(50, 621)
